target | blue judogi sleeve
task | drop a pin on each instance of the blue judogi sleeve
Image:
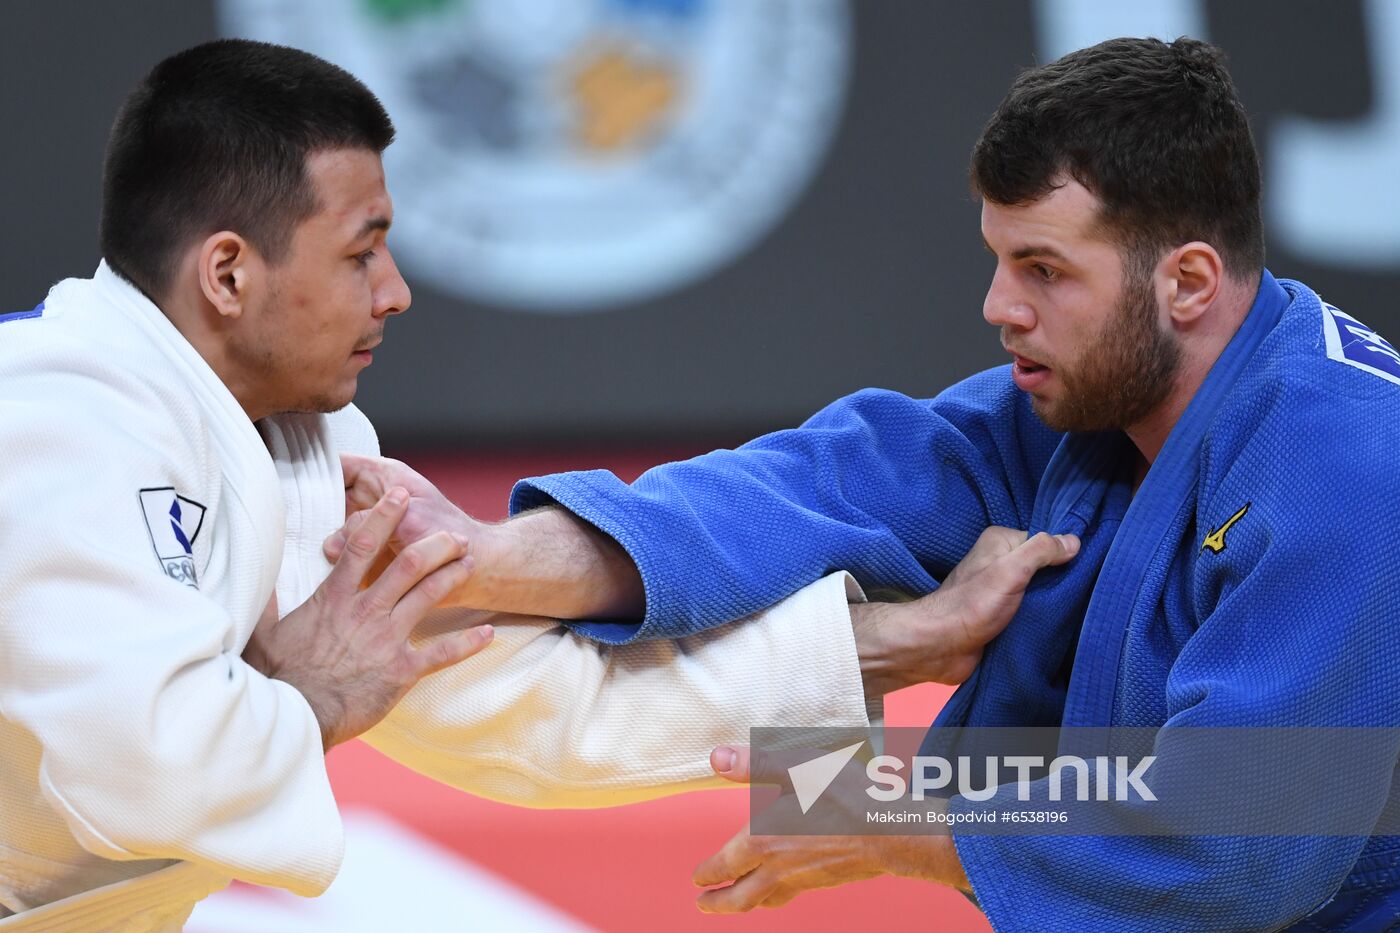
(1296, 626)
(891, 488)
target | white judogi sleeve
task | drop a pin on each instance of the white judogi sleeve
(157, 741)
(544, 718)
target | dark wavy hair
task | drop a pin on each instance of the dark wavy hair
(1155, 130)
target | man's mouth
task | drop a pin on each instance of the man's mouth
(366, 354)
(1027, 373)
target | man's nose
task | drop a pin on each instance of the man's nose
(392, 295)
(1005, 306)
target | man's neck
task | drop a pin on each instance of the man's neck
(191, 319)
(1150, 434)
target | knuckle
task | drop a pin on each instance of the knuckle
(445, 652)
(374, 604)
(363, 610)
(446, 580)
(411, 562)
(454, 575)
(362, 543)
(435, 587)
(433, 657)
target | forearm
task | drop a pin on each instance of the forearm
(903, 644)
(549, 562)
(881, 668)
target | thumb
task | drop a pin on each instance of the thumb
(1039, 551)
(363, 484)
(1061, 551)
(742, 765)
(731, 762)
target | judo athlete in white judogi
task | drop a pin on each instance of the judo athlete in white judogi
(161, 731)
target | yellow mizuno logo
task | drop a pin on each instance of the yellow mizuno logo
(1215, 541)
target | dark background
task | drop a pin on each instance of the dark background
(874, 278)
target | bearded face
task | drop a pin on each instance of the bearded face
(1118, 378)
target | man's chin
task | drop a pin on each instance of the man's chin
(1065, 417)
(1048, 412)
(321, 404)
(327, 406)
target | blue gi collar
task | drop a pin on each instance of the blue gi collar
(1168, 488)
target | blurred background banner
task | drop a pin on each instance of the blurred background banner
(565, 156)
(660, 220)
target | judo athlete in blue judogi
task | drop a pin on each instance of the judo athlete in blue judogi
(1222, 443)
(1242, 585)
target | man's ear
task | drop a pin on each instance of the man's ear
(1195, 275)
(228, 269)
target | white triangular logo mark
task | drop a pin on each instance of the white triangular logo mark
(811, 778)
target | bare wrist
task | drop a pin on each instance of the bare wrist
(927, 858)
(325, 721)
(550, 562)
(881, 667)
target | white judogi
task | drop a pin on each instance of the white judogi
(144, 523)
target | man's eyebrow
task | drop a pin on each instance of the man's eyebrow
(371, 225)
(1039, 249)
(1034, 249)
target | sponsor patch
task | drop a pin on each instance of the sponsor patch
(1215, 541)
(173, 522)
(1351, 342)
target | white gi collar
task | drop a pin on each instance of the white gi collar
(228, 422)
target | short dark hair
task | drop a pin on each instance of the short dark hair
(1156, 130)
(216, 138)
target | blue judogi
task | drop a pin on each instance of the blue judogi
(1252, 580)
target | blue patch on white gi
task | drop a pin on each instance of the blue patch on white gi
(173, 522)
(1351, 342)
